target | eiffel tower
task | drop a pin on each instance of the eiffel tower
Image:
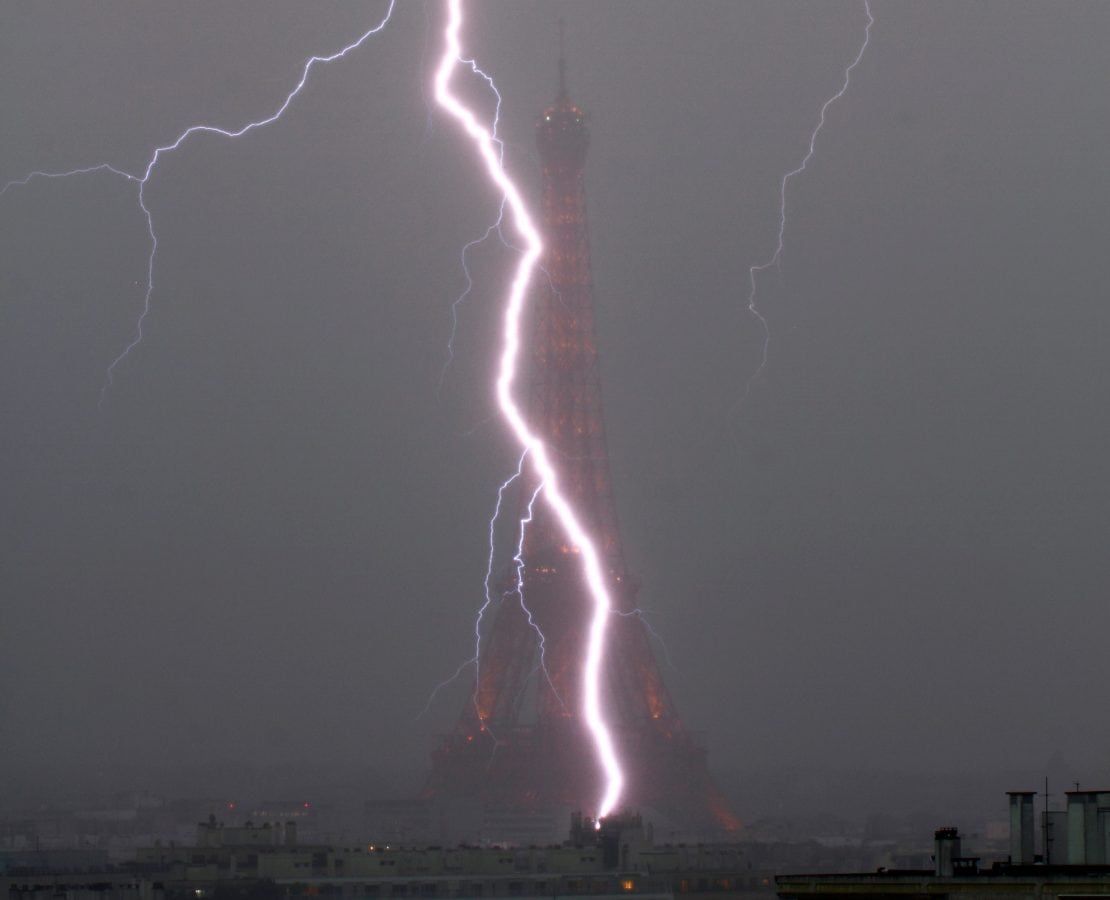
(521, 742)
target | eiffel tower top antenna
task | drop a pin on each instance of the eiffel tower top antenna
(562, 59)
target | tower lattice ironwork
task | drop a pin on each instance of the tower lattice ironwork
(521, 742)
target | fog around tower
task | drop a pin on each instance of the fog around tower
(267, 546)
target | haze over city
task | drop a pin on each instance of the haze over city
(265, 547)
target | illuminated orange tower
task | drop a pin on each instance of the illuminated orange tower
(522, 742)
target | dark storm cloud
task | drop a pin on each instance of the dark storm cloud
(269, 542)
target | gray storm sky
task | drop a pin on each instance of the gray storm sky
(269, 542)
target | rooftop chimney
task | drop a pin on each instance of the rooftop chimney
(1021, 827)
(947, 851)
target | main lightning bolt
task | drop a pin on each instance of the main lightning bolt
(143, 179)
(496, 226)
(780, 243)
(487, 147)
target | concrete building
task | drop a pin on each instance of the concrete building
(619, 859)
(98, 885)
(1088, 828)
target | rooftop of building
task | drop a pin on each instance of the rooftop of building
(1075, 859)
(996, 871)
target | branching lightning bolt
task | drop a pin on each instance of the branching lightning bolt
(518, 589)
(496, 226)
(776, 257)
(486, 146)
(476, 659)
(144, 179)
(467, 247)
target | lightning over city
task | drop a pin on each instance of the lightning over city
(371, 527)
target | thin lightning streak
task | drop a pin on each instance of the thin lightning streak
(517, 589)
(103, 167)
(529, 440)
(642, 616)
(144, 179)
(451, 679)
(518, 559)
(446, 681)
(780, 244)
(475, 660)
(524, 684)
(108, 376)
(496, 226)
(473, 64)
(489, 575)
(473, 429)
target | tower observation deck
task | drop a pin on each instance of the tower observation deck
(522, 743)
